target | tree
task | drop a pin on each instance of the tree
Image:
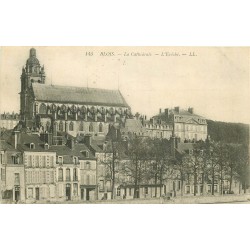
(112, 156)
(180, 168)
(193, 163)
(232, 156)
(222, 155)
(161, 162)
(136, 166)
(243, 166)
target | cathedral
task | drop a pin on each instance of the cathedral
(73, 111)
(67, 110)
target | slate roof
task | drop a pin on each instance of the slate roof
(6, 146)
(186, 116)
(68, 153)
(26, 139)
(79, 95)
(133, 125)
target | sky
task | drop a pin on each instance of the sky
(212, 80)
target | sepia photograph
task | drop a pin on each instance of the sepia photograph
(124, 125)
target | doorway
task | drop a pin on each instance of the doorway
(17, 193)
(37, 193)
(82, 194)
(68, 192)
(87, 194)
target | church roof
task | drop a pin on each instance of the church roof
(78, 95)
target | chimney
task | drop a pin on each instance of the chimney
(152, 120)
(177, 109)
(145, 117)
(71, 143)
(160, 111)
(191, 110)
(17, 138)
(167, 113)
(88, 140)
(46, 137)
(137, 116)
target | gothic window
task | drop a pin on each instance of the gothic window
(91, 127)
(55, 126)
(48, 126)
(100, 127)
(42, 109)
(71, 126)
(61, 126)
(81, 126)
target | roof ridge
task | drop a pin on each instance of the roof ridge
(78, 87)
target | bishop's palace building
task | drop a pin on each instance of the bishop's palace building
(64, 110)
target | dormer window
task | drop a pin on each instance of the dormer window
(75, 160)
(32, 145)
(15, 159)
(46, 146)
(60, 160)
(85, 153)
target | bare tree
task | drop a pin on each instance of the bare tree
(243, 167)
(161, 162)
(193, 162)
(136, 167)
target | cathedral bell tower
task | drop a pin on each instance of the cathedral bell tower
(31, 73)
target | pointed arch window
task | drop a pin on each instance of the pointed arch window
(55, 126)
(48, 126)
(91, 127)
(61, 126)
(81, 126)
(101, 127)
(42, 109)
(71, 126)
